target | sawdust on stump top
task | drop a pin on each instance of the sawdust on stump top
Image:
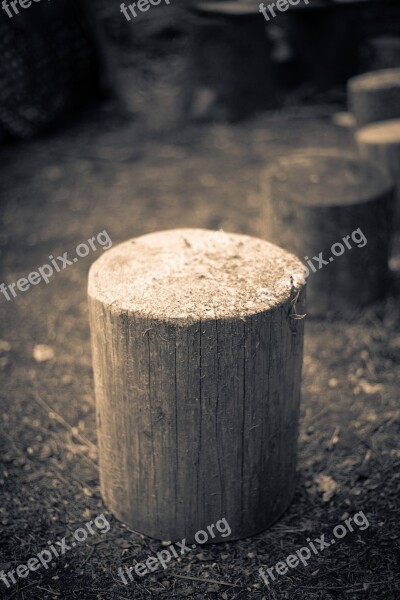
(384, 132)
(321, 178)
(386, 78)
(190, 274)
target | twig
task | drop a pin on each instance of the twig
(22, 591)
(14, 446)
(57, 417)
(48, 591)
(394, 465)
(346, 587)
(89, 556)
(207, 580)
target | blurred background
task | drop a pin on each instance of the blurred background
(186, 60)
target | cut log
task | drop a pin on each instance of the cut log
(375, 96)
(197, 352)
(314, 200)
(229, 72)
(384, 52)
(327, 30)
(380, 143)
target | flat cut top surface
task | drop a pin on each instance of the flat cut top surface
(321, 178)
(191, 274)
(385, 78)
(384, 132)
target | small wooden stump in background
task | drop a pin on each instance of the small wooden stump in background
(316, 198)
(229, 71)
(380, 143)
(197, 356)
(384, 52)
(325, 37)
(375, 96)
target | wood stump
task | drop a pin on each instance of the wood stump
(380, 143)
(325, 38)
(384, 52)
(375, 96)
(229, 72)
(197, 353)
(315, 199)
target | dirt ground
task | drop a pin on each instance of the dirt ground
(101, 174)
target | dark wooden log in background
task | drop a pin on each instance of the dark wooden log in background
(197, 355)
(314, 199)
(375, 96)
(325, 38)
(380, 143)
(229, 72)
(383, 52)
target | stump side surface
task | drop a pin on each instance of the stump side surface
(375, 96)
(185, 275)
